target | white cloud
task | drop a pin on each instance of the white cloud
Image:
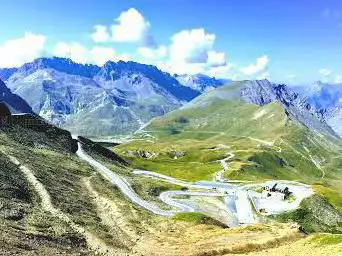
(264, 75)
(97, 55)
(191, 46)
(18, 51)
(223, 71)
(131, 27)
(74, 51)
(338, 79)
(101, 34)
(100, 55)
(259, 66)
(325, 72)
(191, 52)
(216, 59)
(182, 68)
(153, 53)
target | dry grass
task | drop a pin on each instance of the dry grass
(303, 247)
(201, 240)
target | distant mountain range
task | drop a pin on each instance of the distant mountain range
(327, 100)
(120, 97)
(117, 98)
(262, 93)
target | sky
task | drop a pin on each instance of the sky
(293, 41)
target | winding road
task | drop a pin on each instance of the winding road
(122, 184)
(238, 200)
(225, 165)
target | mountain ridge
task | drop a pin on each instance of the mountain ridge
(126, 95)
(120, 95)
(327, 100)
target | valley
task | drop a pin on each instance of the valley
(72, 204)
(227, 173)
(170, 128)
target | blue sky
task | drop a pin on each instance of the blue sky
(286, 41)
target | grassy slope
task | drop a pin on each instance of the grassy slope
(25, 228)
(89, 200)
(76, 190)
(211, 121)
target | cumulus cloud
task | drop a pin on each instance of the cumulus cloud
(216, 59)
(191, 46)
(97, 55)
(182, 68)
(149, 53)
(130, 26)
(18, 51)
(338, 79)
(100, 55)
(325, 72)
(101, 34)
(264, 75)
(260, 66)
(192, 51)
(224, 71)
(74, 51)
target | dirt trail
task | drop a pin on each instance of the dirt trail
(111, 215)
(95, 244)
(318, 165)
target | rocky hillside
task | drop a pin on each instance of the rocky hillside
(54, 203)
(263, 92)
(15, 103)
(327, 100)
(117, 98)
(263, 131)
(296, 107)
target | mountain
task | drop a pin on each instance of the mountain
(5, 73)
(333, 117)
(263, 92)
(200, 82)
(250, 131)
(327, 100)
(322, 95)
(117, 98)
(296, 107)
(54, 202)
(15, 103)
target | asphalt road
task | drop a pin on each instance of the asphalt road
(238, 199)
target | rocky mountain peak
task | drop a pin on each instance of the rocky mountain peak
(262, 92)
(60, 64)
